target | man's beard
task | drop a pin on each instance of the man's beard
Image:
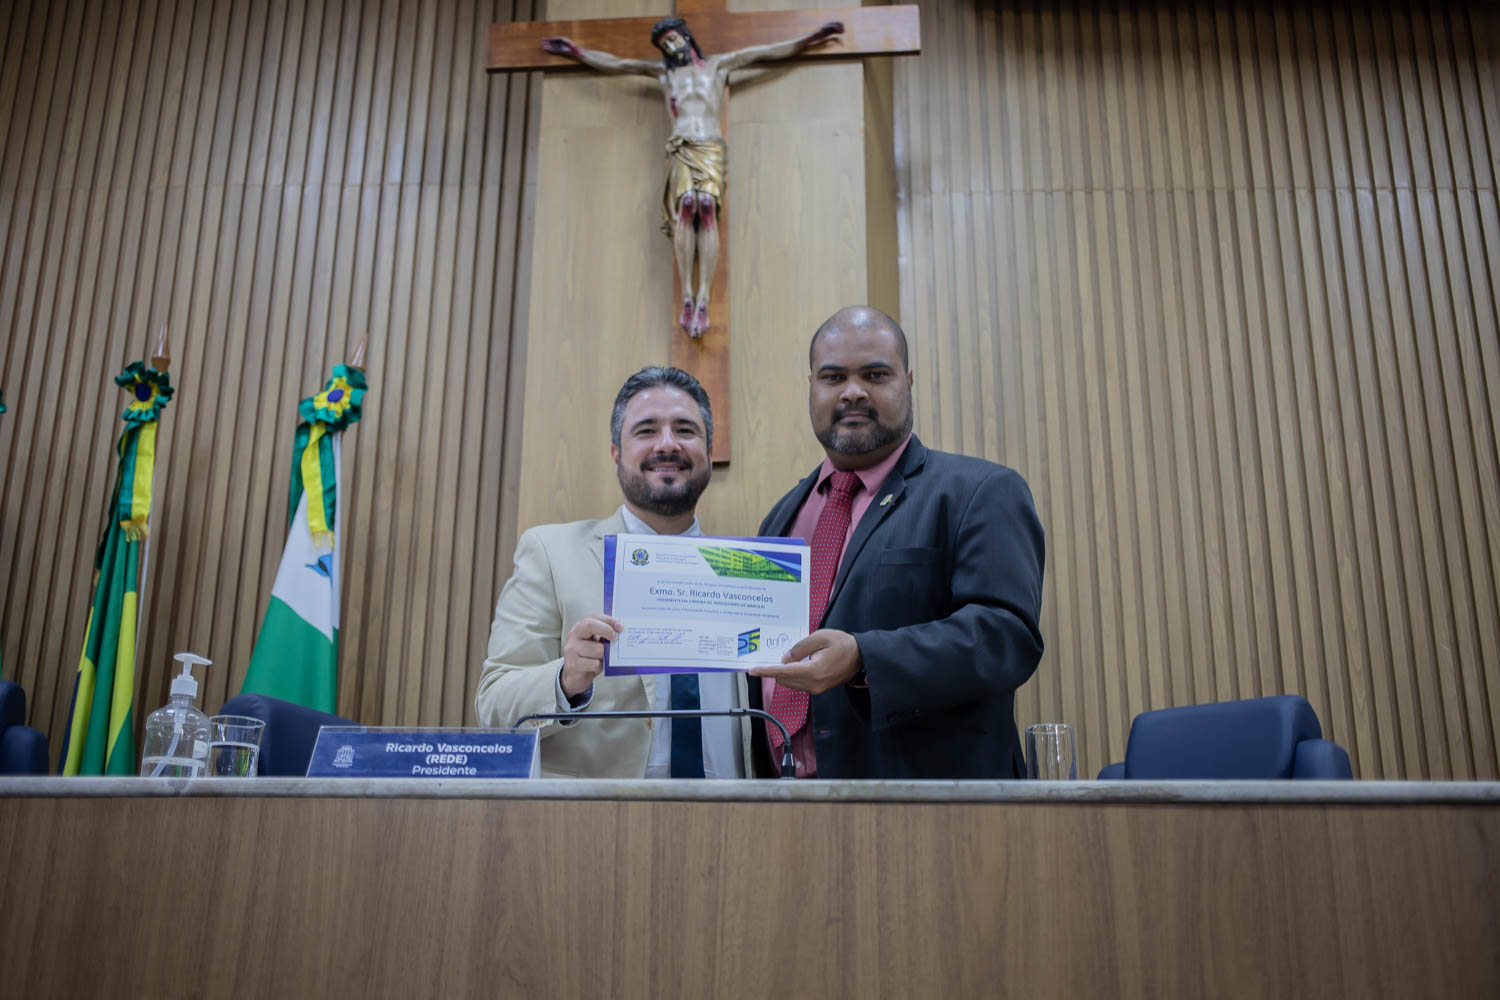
(861, 440)
(678, 60)
(681, 497)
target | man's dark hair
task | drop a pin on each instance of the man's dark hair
(862, 316)
(677, 24)
(649, 378)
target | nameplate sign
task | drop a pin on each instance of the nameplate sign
(369, 752)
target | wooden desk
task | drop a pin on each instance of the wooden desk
(280, 887)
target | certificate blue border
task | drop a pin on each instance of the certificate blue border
(609, 602)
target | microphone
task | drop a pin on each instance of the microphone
(788, 763)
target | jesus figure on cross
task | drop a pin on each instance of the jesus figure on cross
(694, 86)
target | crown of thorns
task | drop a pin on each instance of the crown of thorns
(678, 25)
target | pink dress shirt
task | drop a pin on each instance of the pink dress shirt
(803, 526)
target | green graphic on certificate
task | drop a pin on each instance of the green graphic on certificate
(742, 564)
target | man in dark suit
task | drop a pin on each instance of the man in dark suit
(926, 584)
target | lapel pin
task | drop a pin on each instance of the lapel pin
(888, 498)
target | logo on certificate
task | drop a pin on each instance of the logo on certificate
(640, 557)
(749, 642)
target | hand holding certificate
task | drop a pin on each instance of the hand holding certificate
(691, 604)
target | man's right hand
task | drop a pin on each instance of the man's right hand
(560, 46)
(583, 652)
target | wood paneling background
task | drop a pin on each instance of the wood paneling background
(1222, 285)
(269, 180)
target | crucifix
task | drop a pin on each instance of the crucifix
(694, 201)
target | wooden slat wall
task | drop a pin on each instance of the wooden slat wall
(1222, 284)
(269, 180)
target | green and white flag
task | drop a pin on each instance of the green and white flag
(296, 655)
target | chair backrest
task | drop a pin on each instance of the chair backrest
(1321, 760)
(1256, 738)
(291, 730)
(23, 750)
(12, 704)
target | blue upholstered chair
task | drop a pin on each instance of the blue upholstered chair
(1258, 738)
(286, 745)
(23, 750)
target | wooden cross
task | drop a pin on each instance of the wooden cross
(516, 46)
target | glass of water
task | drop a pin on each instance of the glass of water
(234, 746)
(1050, 754)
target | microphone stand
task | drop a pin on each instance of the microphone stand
(788, 763)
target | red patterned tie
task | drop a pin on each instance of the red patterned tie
(788, 704)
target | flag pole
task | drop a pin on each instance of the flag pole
(161, 360)
(357, 362)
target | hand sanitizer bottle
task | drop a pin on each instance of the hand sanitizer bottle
(177, 734)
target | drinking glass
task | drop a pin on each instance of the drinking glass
(1050, 754)
(234, 746)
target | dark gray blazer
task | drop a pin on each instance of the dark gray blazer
(941, 586)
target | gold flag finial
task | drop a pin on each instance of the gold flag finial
(161, 357)
(359, 353)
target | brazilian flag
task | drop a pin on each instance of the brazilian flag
(100, 738)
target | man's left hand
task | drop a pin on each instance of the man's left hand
(822, 661)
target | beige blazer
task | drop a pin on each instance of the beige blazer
(558, 579)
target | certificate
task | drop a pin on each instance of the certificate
(694, 603)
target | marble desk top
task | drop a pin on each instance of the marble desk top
(1017, 792)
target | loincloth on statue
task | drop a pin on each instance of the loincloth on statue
(692, 165)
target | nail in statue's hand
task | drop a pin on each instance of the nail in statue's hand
(559, 46)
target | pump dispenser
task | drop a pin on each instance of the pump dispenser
(177, 734)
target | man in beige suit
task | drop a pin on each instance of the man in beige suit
(547, 640)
